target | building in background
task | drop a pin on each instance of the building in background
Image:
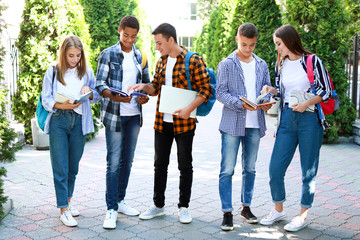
(181, 14)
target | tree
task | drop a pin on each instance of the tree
(353, 8)
(200, 41)
(8, 146)
(321, 26)
(223, 29)
(265, 14)
(237, 19)
(44, 25)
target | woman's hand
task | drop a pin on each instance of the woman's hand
(86, 89)
(269, 89)
(66, 105)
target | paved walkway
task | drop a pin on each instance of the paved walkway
(335, 215)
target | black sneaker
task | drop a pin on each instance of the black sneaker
(248, 216)
(227, 224)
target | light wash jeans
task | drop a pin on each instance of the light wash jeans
(229, 152)
(305, 131)
(66, 148)
(120, 155)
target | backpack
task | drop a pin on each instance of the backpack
(205, 107)
(41, 113)
(333, 103)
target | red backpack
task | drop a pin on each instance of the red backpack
(333, 103)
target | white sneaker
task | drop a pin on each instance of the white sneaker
(152, 212)
(296, 224)
(110, 219)
(127, 210)
(184, 215)
(273, 217)
(68, 220)
(73, 210)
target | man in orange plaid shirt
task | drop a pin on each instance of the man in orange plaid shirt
(170, 71)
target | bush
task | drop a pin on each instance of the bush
(321, 26)
(8, 147)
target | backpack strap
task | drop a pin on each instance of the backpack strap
(310, 73)
(187, 64)
(143, 59)
(310, 70)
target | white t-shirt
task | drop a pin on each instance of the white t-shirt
(73, 86)
(129, 78)
(168, 82)
(293, 77)
(250, 85)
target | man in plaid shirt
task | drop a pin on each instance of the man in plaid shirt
(119, 67)
(170, 71)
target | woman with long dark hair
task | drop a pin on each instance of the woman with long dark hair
(297, 126)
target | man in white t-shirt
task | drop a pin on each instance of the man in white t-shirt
(242, 73)
(119, 67)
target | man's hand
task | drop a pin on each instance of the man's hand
(136, 87)
(248, 107)
(119, 98)
(183, 113)
(143, 100)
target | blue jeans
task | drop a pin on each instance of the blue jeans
(66, 148)
(295, 129)
(229, 151)
(120, 155)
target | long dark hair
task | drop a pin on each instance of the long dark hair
(291, 38)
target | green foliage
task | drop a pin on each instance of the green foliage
(8, 146)
(265, 14)
(200, 41)
(222, 33)
(45, 23)
(353, 9)
(210, 42)
(321, 25)
(237, 20)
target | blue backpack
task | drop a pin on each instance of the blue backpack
(205, 107)
(41, 113)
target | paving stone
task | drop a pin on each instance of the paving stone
(79, 234)
(7, 232)
(155, 234)
(42, 234)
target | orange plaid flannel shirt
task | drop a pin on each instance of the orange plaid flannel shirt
(200, 81)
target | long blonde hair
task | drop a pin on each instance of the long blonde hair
(70, 41)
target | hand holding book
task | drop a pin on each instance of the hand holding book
(115, 91)
(256, 105)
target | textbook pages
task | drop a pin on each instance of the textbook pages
(62, 97)
(254, 105)
(115, 91)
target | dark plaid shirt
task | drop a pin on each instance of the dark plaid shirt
(200, 81)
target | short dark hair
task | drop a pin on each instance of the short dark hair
(167, 30)
(129, 21)
(248, 30)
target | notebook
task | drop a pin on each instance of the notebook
(172, 99)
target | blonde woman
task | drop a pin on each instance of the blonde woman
(67, 124)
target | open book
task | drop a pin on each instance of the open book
(62, 97)
(115, 91)
(255, 105)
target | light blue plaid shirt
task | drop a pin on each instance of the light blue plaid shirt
(49, 89)
(230, 85)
